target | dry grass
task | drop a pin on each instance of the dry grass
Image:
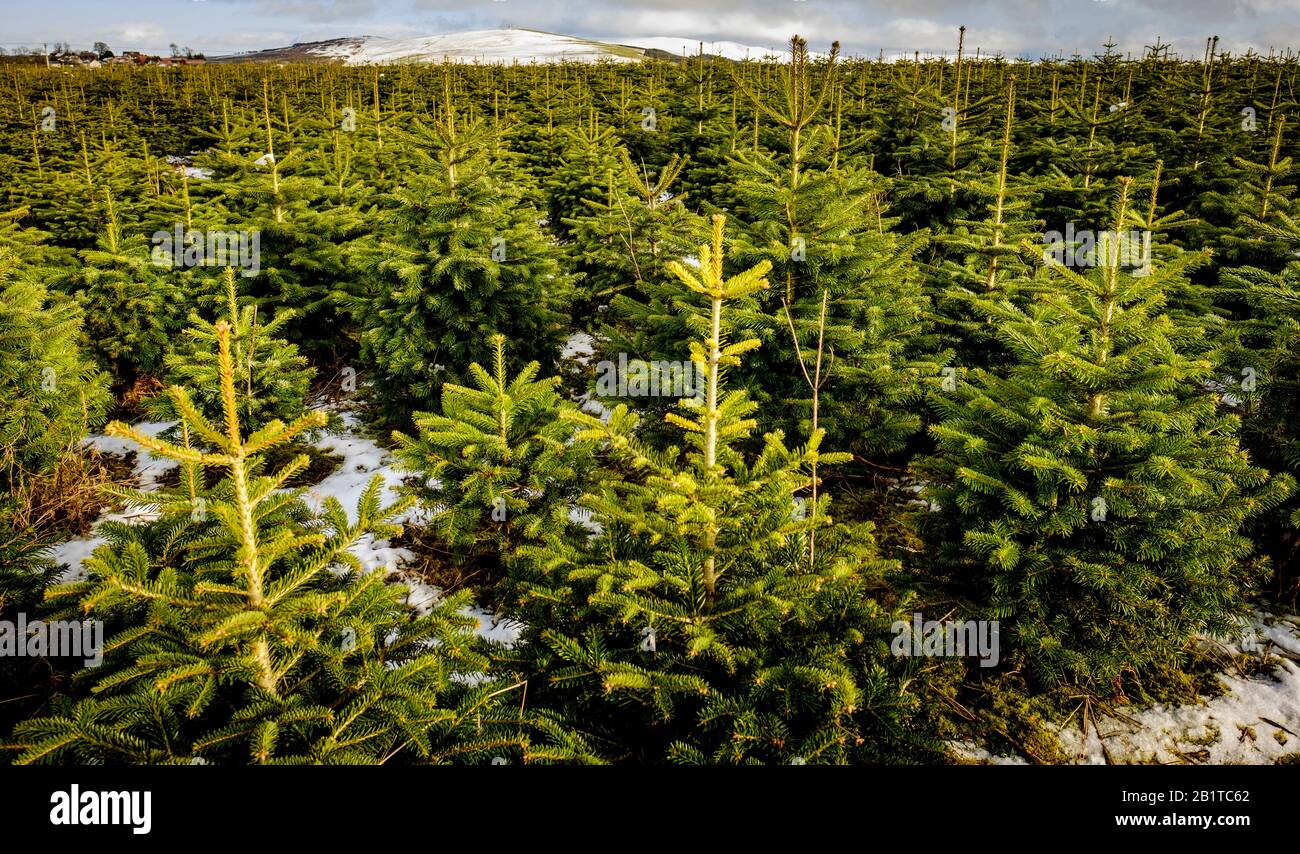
(133, 399)
(67, 499)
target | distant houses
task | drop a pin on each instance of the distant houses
(83, 58)
(90, 59)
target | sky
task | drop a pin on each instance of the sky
(1031, 28)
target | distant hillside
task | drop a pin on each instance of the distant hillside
(495, 46)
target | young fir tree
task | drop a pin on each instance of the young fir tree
(27, 244)
(244, 632)
(1262, 195)
(822, 229)
(627, 238)
(305, 232)
(459, 258)
(273, 378)
(1199, 311)
(985, 256)
(584, 173)
(1266, 368)
(1090, 494)
(131, 306)
(1081, 138)
(710, 130)
(694, 628)
(54, 395)
(626, 244)
(500, 465)
(937, 142)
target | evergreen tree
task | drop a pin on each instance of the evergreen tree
(1090, 494)
(131, 307)
(1265, 376)
(938, 147)
(626, 240)
(305, 232)
(985, 256)
(1261, 196)
(246, 633)
(500, 465)
(694, 628)
(54, 396)
(824, 229)
(458, 258)
(273, 379)
(1192, 303)
(584, 172)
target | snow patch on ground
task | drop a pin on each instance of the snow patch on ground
(146, 471)
(72, 553)
(363, 459)
(972, 752)
(579, 347)
(502, 630)
(583, 516)
(1254, 722)
(148, 468)
(183, 164)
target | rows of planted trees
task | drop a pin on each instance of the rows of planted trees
(904, 405)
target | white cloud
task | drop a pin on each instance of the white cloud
(138, 35)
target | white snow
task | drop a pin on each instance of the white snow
(1255, 721)
(524, 46)
(72, 553)
(362, 461)
(583, 516)
(579, 347)
(148, 468)
(183, 164)
(972, 752)
(485, 46)
(502, 630)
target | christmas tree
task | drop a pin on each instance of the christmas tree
(305, 230)
(244, 631)
(695, 627)
(500, 466)
(131, 305)
(55, 395)
(458, 259)
(273, 379)
(1264, 377)
(823, 229)
(1090, 494)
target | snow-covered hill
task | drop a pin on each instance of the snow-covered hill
(499, 46)
(475, 46)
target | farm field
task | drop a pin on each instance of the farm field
(639, 408)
